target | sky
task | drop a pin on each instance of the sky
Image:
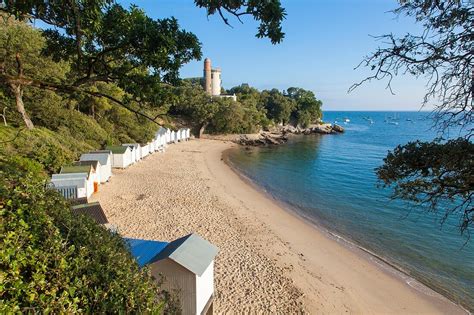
(325, 40)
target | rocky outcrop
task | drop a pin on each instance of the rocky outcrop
(319, 128)
(262, 139)
(279, 135)
(337, 128)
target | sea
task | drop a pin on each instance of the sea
(330, 180)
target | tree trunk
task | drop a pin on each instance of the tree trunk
(20, 106)
(202, 129)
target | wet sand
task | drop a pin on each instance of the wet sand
(270, 260)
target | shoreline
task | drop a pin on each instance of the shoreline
(270, 260)
(383, 263)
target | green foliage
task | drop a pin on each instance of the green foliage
(54, 262)
(253, 110)
(438, 175)
(50, 149)
(308, 107)
(278, 106)
(20, 40)
(269, 13)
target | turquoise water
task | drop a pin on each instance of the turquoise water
(331, 181)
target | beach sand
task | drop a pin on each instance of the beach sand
(270, 260)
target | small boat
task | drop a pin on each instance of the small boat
(346, 120)
(393, 123)
(370, 120)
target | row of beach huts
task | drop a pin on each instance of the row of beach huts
(83, 178)
(187, 263)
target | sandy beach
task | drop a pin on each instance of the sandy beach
(270, 260)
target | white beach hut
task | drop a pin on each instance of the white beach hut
(121, 156)
(105, 159)
(174, 136)
(133, 151)
(188, 134)
(92, 176)
(72, 185)
(187, 265)
(137, 148)
(145, 150)
(96, 168)
(151, 145)
(160, 136)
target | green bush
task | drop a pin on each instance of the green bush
(53, 262)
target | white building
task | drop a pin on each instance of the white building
(145, 150)
(187, 265)
(151, 145)
(135, 147)
(105, 159)
(92, 176)
(72, 185)
(121, 156)
(96, 168)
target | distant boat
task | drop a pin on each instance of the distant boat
(393, 123)
(347, 120)
(370, 120)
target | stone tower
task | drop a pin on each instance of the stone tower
(207, 76)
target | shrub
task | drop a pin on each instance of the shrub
(53, 262)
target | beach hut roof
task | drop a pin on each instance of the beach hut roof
(145, 250)
(191, 251)
(118, 149)
(66, 176)
(102, 157)
(100, 152)
(135, 145)
(94, 163)
(93, 210)
(76, 169)
(161, 131)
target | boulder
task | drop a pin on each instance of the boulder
(337, 128)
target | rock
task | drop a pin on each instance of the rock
(337, 128)
(322, 129)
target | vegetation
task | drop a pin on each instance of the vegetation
(54, 262)
(253, 110)
(97, 74)
(438, 173)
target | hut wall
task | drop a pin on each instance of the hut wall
(204, 287)
(177, 279)
(105, 169)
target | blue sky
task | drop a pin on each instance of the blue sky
(325, 40)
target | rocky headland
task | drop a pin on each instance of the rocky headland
(279, 135)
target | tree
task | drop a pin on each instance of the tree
(106, 43)
(308, 108)
(20, 56)
(278, 106)
(269, 12)
(194, 103)
(431, 174)
(437, 173)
